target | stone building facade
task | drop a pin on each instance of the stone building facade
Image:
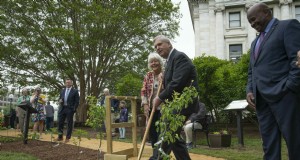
(221, 27)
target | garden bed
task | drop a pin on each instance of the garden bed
(47, 150)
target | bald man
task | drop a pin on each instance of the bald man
(273, 87)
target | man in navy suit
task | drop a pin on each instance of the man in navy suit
(69, 101)
(179, 73)
(273, 87)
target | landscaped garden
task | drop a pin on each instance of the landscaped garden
(13, 148)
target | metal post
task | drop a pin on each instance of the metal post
(240, 127)
(10, 98)
(26, 126)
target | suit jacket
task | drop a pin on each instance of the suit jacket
(73, 98)
(273, 73)
(179, 73)
(200, 114)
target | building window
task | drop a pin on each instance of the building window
(234, 19)
(235, 51)
(297, 13)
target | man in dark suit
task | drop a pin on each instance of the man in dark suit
(179, 73)
(69, 101)
(273, 87)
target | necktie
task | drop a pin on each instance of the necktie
(257, 46)
(66, 96)
(166, 63)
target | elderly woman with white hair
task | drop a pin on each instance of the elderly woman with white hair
(148, 93)
(20, 112)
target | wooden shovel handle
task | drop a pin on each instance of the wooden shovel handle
(148, 126)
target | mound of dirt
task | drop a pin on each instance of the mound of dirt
(49, 150)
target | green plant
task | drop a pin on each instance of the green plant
(34, 136)
(6, 111)
(221, 132)
(79, 133)
(221, 81)
(170, 122)
(51, 131)
(96, 116)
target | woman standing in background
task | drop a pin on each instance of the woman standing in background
(38, 101)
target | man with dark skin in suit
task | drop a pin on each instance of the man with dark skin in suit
(179, 73)
(273, 87)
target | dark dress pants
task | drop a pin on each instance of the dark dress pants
(280, 119)
(12, 118)
(153, 133)
(65, 113)
(49, 121)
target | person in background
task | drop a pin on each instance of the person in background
(148, 92)
(69, 102)
(20, 112)
(49, 116)
(123, 118)
(273, 87)
(114, 109)
(114, 102)
(195, 119)
(38, 101)
(12, 118)
(178, 74)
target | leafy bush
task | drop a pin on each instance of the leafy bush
(170, 122)
(221, 82)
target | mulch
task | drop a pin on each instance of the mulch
(49, 150)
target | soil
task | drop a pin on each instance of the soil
(51, 150)
(44, 149)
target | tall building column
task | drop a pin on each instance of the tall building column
(285, 9)
(196, 30)
(212, 29)
(204, 28)
(220, 32)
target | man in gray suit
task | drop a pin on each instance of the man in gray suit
(273, 87)
(179, 73)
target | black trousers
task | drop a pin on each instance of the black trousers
(279, 119)
(12, 119)
(153, 133)
(49, 121)
(65, 113)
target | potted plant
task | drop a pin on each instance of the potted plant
(220, 139)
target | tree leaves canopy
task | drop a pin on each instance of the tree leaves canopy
(93, 42)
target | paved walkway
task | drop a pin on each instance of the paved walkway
(117, 146)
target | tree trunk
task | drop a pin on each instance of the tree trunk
(82, 109)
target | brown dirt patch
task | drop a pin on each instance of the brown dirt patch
(49, 150)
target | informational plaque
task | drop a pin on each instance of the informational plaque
(237, 105)
(27, 106)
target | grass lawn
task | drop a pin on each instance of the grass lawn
(252, 149)
(15, 156)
